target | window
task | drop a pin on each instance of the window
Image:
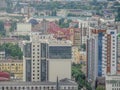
(111, 32)
(61, 52)
(52, 88)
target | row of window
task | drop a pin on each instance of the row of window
(37, 88)
(11, 68)
(116, 85)
(115, 88)
(11, 64)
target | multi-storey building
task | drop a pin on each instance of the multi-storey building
(45, 58)
(14, 67)
(101, 53)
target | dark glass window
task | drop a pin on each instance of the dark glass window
(27, 50)
(43, 70)
(28, 70)
(60, 52)
(43, 50)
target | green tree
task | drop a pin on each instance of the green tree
(26, 37)
(13, 26)
(12, 50)
(63, 23)
(100, 88)
(83, 47)
(9, 6)
(80, 77)
(118, 14)
(2, 30)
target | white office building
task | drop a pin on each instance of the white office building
(46, 58)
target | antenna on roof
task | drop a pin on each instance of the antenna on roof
(57, 85)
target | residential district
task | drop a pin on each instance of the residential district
(59, 44)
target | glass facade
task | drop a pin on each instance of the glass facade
(43, 70)
(28, 70)
(44, 50)
(27, 50)
(100, 35)
(60, 52)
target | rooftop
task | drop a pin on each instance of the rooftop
(16, 83)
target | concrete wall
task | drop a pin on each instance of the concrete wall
(60, 68)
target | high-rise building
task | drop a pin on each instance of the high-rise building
(46, 58)
(101, 53)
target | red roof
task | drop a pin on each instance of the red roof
(4, 76)
(57, 31)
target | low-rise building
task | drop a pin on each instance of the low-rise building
(64, 84)
(14, 67)
(9, 40)
(112, 82)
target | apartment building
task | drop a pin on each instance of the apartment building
(46, 58)
(101, 53)
(14, 67)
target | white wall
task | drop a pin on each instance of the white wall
(23, 28)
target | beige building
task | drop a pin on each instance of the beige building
(78, 56)
(14, 67)
(46, 58)
(9, 40)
